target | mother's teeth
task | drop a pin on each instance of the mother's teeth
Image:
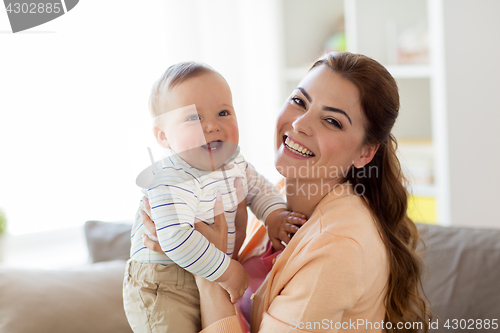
(298, 147)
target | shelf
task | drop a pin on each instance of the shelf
(423, 190)
(416, 158)
(409, 71)
(382, 30)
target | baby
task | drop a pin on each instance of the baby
(195, 122)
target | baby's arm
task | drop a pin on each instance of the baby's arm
(173, 209)
(241, 218)
(240, 224)
(233, 278)
(265, 199)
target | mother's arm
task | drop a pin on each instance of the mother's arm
(211, 293)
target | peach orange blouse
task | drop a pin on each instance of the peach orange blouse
(331, 277)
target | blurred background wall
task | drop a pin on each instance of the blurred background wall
(74, 124)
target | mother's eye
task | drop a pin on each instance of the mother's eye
(224, 113)
(298, 101)
(334, 122)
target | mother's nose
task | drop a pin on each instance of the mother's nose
(303, 124)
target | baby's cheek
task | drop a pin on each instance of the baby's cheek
(192, 143)
(192, 138)
(234, 134)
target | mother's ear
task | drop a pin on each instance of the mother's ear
(367, 154)
(160, 137)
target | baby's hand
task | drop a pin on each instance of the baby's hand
(234, 281)
(281, 225)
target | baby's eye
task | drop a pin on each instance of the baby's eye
(334, 122)
(193, 117)
(223, 113)
(298, 101)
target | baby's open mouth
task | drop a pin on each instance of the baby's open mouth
(212, 145)
(296, 148)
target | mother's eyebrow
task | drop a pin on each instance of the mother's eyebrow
(328, 108)
(305, 94)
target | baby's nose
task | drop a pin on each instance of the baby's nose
(211, 126)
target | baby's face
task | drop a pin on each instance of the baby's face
(201, 125)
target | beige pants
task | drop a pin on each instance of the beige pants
(160, 299)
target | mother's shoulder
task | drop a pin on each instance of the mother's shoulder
(346, 203)
(349, 216)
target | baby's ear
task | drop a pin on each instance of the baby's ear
(160, 137)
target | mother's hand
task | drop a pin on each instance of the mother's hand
(151, 227)
(216, 233)
(234, 279)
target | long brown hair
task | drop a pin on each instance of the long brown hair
(386, 194)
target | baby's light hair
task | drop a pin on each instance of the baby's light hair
(172, 77)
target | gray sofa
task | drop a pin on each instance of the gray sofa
(462, 282)
(462, 277)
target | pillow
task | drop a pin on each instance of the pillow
(462, 277)
(107, 241)
(87, 299)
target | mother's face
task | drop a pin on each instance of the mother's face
(321, 127)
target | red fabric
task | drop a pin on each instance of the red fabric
(257, 269)
(256, 266)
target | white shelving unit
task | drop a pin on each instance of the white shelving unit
(304, 26)
(372, 27)
(449, 105)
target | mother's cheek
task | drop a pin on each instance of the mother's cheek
(281, 124)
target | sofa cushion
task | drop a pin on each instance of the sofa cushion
(107, 241)
(87, 299)
(462, 277)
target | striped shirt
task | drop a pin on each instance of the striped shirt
(180, 193)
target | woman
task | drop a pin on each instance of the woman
(353, 265)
